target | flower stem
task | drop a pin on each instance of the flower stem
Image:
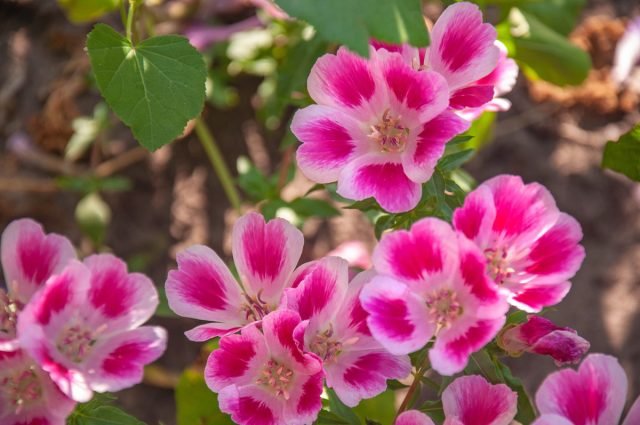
(132, 10)
(417, 378)
(218, 164)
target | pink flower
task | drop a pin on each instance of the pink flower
(378, 129)
(593, 395)
(334, 328)
(470, 400)
(29, 258)
(502, 78)
(83, 327)
(203, 288)
(627, 52)
(27, 394)
(263, 378)
(541, 336)
(355, 252)
(432, 282)
(531, 247)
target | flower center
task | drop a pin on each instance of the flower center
(497, 265)
(8, 316)
(21, 388)
(277, 378)
(75, 343)
(389, 133)
(325, 346)
(255, 308)
(444, 307)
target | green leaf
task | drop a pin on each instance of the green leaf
(155, 87)
(542, 52)
(364, 205)
(87, 10)
(559, 15)
(482, 130)
(379, 408)
(328, 418)
(310, 207)
(354, 22)
(98, 411)
(526, 411)
(623, 155)
(196, 403)
(455, 160)
(338, 408)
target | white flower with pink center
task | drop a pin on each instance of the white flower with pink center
(29, 258)
(27, 394)
(594, 394)
(470, 400)
(262, 376)
(203, 287)
(532, 248)
(334, 327)
(432, 283)
(378, 129)
(83, 327)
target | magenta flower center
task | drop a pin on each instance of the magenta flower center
(325, 346)
(497, 265)
(8, 316)
(389, 133)
(76, 342)
(21, 389)
(277, 378)
(443, 307)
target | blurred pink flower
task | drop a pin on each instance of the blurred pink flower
(627, 52)
(378, 129)
(29, 258)
(595, 394)
(202, 36)
(432, 282)
(532, 248)
(355, 252)
(541, 336)
(203, 287)
(413, 417)
(83, 327)
(27, 394)
(334, 327)
(263, 377)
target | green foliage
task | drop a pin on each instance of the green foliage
(86, 131)
(338, 408)
(99, 412)
(93, 216)
(354, 22)
(88, 184)
(559, 15)
(623, 155)
(196, 403)
(526, 411)
(380, 408)
(482, 130)
(541, 52)
(155, 87)
(87, 10)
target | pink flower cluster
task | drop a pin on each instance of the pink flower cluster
(381, 124)
(68, 328)
(286, 330)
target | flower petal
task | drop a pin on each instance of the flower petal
(237, 361)
(305, 402)
(203, 288)
(476, 216)
(265, 254)
(125, 300)
(209, 331)
(380, 177)
(420, 158)
(462, 47)
(552, 420)
(471, 97)
(30, 257)
(413, 417)
(328, 141)
(532, 298)
(119, 361)
(397, 317)
(474, 401)
(633, 417)
(248, 407)
(595, 394)
(352, 318)
(278, 329)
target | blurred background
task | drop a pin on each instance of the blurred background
(68, 162)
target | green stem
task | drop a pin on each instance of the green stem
(132, 10)
(219, 166)
(422, 369)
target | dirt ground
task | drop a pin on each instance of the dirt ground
(176, 200)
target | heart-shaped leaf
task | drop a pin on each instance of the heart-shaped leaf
(155, 87)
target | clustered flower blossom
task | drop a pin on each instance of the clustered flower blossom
(381, 124)
(68, 328)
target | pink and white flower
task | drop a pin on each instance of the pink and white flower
(541, 336)
(29, 258)
(27, 394)
(378, 128)
(334, 327)
(470, 400)
(83, 327)
(532, 248)
(203, 287)
(262, 376)
(594, 394)
(432, 282)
